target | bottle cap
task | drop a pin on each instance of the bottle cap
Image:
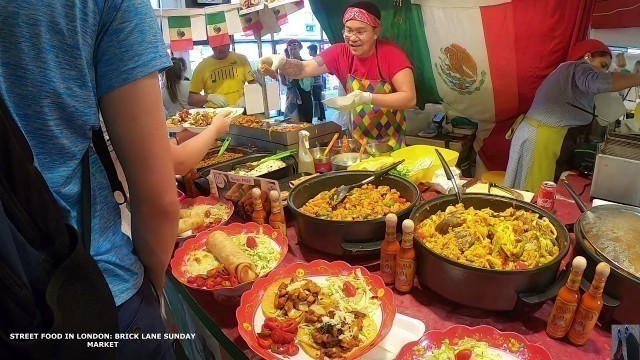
(256, 193)
(407, 226)
(602, 271)
(579, 264)
(391, 219)
(273, 195)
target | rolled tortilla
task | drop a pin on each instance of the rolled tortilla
(190, 223)
(232, 257)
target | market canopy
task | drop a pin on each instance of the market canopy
(617, 22)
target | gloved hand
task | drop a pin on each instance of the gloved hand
(218, 100)
(269, 64)
(241, 103)
(353, 100)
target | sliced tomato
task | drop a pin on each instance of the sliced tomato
(279, 349)
(207, 214)
(217, 280)
(265, 342)
(290, 326)
(272, 323)
(287, 337)
(349, 289)
(277, 336)
(251, 242)
(292, 350)
(191, 280)
(199, 282)
(464, 354)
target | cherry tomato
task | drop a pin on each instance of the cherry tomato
(464, 354)
(349, 289)
(292, 349)
(265, 342)
(251, 242)
(207, 214)
(217, 220)
(290, 326)
(272, 323)
(521, 266)
(279, 349)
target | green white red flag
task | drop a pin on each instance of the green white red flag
(217, 31)
(180, 33)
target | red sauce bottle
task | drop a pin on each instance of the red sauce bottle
(276, 219)
(589, 308)
(567, 301)
(259, 216)
(406, 260)
(389, 251)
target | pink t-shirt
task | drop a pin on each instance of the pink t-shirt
(338, 59)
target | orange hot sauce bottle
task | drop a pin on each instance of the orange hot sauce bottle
(389, 250)
(276, 219)
(567, 301)
(259, 216)
(589, 308)
(406, 260)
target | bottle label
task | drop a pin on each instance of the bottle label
(279, 226)
(407, 240)
(561, 318)
(597, 286)
(405, 273)
(584, 322)
(387, 266)
(574, 281)
(258, 204)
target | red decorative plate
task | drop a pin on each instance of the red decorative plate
(250, 316)
(199, 242)
(509, 345)
(206, 200)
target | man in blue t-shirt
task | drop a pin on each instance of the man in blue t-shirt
(63, 62)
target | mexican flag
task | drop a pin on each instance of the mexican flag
(283, 11)
(488, 58)
(180, 33)
(251, 23)
(217, 31)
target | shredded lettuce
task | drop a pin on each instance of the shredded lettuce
(265, 256)
(362, 301)
(411, 167)
(480, 350)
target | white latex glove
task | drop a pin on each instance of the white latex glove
(351, 101)
(272, 62)
(218, 100)
(241, 103)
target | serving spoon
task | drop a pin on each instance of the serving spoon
(447, 171)
(343, 190)
(251, 166)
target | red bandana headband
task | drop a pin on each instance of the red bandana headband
(360, 15)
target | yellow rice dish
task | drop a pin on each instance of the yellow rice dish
(509, 240)
(363, 203)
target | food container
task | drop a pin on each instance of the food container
(320, 163)
(343, 161)
(417, 152)
(346, 238)
(353, 144)
(379, 149)
(489, 289)
(274, 175)
(213, 153)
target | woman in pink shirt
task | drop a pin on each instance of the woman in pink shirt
(376, 74)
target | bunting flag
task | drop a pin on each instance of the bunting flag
(283, 11)
(251, 23)
(217, 31)
(180, 33)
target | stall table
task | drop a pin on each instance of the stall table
(435, 311)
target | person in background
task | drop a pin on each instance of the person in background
(222, 76)
(636, 70)
(183, 62)
(176, 90)
(299, 100)
(621, 64)
(85, 76)
(317, 87)
(543, 140)
(376, 74)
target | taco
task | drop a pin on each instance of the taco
(293, 298)
(337, 335)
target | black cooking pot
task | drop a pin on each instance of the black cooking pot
(622, 285)
(490, 289)
(345, 238)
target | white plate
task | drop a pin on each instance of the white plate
(175, 129)
(235, 112)
(405, 329)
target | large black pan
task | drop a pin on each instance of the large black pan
(622, 285)
(345, 237)
(489, 289)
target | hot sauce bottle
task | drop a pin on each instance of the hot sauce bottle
(405, 260)
(259, 216)
(589, 308)
(567, 301)
(276, 219)
(389, 250)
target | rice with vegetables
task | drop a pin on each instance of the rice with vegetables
(363, 203)
(508, 240)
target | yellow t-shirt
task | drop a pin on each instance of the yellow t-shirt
(225, 77)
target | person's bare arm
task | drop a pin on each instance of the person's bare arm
(296, 69)
(622, 81)
(197, 100)
(134, 120)
(405, 95)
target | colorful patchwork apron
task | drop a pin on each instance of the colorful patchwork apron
(374, 123)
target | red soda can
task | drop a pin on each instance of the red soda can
(547, 195)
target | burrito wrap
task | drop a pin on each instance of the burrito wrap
(232, 257)
(190, 223)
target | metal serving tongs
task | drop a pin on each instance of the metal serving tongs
(447, 171)
(511, 192)
(251, 166)
(343, 190)
(224, 147)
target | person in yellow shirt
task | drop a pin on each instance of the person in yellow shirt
(222, 76)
